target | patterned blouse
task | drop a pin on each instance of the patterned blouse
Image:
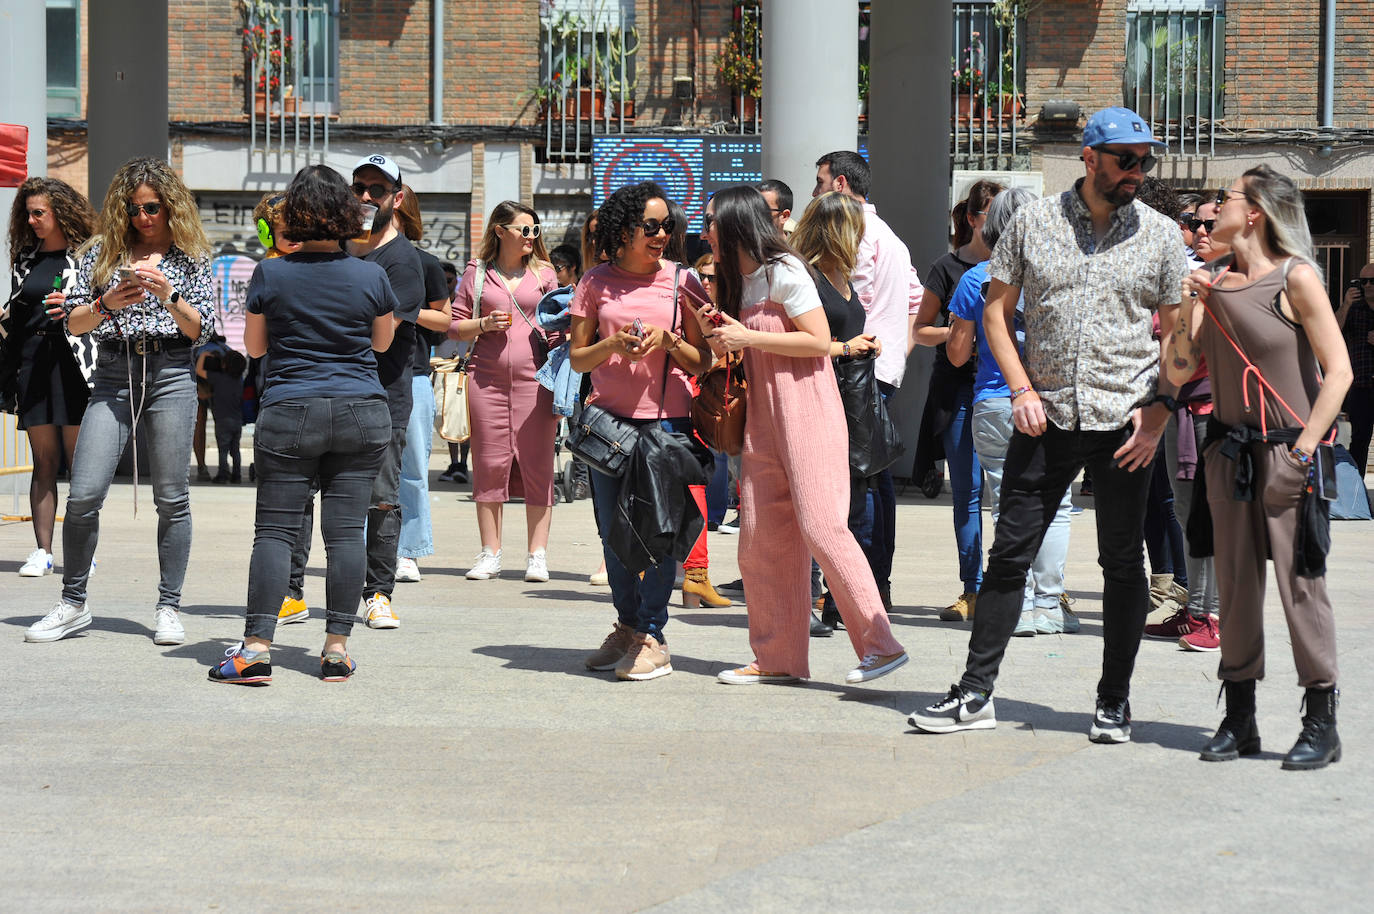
(1090, 351)
(189, 276)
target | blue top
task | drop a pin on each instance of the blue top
(967, 303)
(319, 310)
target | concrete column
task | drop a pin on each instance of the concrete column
(908, 144)
(24, 101)
(810, 88)
(128, 87)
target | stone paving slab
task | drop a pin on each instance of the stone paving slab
(473, 764)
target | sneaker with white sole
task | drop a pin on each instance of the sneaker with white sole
(61, 621)
(37, 564)
(875, 665)
(960, 709)
(292, 610)
(537, 567)
(647, 658)
(379, 612)
(487, 566)
(751, 675)
(1025, 626)
(167, 627)
(407, 572)
(1112, 722)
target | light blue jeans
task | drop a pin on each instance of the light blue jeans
(992, 428)
(417, 534)
(166, 390)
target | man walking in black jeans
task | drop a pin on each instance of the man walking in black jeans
(1093, 265)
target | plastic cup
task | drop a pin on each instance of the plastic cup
(369, 213)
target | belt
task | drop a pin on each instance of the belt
(150, 345)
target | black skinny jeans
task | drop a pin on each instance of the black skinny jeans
(1037, 472)
(340, 440)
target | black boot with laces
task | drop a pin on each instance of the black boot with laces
(1318, 745)
(1238, 734)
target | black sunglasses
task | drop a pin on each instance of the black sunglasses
(711, 277)
(1224, 196)
(1127, 161)
(152, 209)
(375, 191)
(1366, 280)
(707, 220)
(653, 226)
(1208, 224)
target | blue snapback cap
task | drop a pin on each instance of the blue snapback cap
(1117, 125)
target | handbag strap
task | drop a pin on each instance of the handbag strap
(516, 305)
(667, 356)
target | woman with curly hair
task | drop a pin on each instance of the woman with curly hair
(319, 316)
(512, 413)
(143, 293)
(794, 488)
(630, 334)
(45, 374)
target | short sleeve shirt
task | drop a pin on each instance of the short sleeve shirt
(785, 281)
(1089, 349)
(401, 262)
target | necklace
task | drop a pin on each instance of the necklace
(509, 276)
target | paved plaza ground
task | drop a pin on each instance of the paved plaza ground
(473, 764)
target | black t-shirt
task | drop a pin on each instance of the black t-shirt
(846, 318)
(319, 310)
(436, 289)
(394, 367)
(943, 278)
(30, 316)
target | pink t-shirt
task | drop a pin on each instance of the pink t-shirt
(613, 298)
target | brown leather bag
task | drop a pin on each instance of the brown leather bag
(718, 407)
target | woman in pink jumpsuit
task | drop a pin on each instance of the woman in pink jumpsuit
(512, 414)
(794, 488)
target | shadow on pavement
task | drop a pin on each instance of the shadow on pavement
(569, 661)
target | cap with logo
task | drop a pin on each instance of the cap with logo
(382, 164)
(1117, 125)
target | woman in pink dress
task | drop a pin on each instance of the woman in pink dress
(512, 414)
(794, 475)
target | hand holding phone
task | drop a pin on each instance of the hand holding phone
(126, 274)
(637, 328)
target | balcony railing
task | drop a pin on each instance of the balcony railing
(586, 75)
(988, 78)
(291, 56)
(1175, 70)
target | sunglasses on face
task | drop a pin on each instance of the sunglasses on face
(1224, 196)
(375, 191)
(1208, 224)
(1367, 280)
(37, 213)
(653, 226)
(707, 221)
(711, 277)
(524, 231)
(1128, 161)
(152, 209)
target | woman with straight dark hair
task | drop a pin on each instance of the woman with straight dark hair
(44, 373)
(320, 316)
(795, 471)
(1279, 370)
(143, 293)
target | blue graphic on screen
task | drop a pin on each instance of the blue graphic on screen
(689, 169)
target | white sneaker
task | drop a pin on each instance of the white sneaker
(63, 620)
(537, 567)
(36, 565)
(167, 627)
(407, 572)
(487, 566)
(379, 613)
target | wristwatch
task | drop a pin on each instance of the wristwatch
(172, 299)
(1169, 402)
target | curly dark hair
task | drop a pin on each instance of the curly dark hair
(70, 208)
(320, 206)
(622, 211)
(1159, 197)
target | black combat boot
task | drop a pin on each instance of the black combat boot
(1317, 745)
(1238, 735)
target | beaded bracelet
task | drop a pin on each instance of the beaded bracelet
(98, 309)
(1300, 455)
(1021, 390)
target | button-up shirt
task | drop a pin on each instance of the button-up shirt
(189, 276)
(1089, 349)
(889, 290)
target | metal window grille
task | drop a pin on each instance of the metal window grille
(291, 50)
(987, 80)
(1175, 70)
(748, 38)
(586, 74)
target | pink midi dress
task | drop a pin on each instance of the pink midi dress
(794, 498)
(513, 423)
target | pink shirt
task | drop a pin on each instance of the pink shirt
(889, 290)
(613, 298)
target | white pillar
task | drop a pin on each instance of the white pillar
(24, 100)
(810, 88)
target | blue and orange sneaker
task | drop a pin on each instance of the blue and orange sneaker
(240, 669)
(335, 667)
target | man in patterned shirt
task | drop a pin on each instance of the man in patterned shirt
(1094, 264)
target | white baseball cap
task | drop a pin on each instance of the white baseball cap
(382, 164)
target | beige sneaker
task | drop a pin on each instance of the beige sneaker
(647, 658)
(612, 649)
(961, 610)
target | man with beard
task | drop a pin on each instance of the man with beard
(1093, 264)
(377, 180)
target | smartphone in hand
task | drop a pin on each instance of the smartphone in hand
(637, 328)
(126, 274)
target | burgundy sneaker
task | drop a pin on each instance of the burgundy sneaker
(1179, 625)
(1207, 638)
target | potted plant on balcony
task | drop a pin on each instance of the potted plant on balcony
(739, 67)
(967, 80)
(621, 46)
(269, 58)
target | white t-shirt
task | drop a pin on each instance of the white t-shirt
(786, 282)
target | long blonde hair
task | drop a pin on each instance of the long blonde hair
(116, 233)
(504, 212)
(829, 233)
